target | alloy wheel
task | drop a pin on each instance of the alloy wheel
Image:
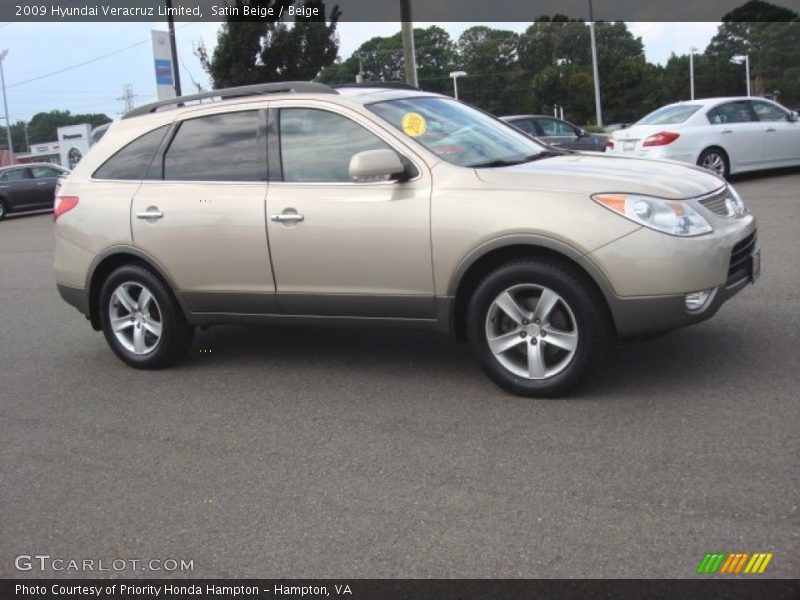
(135, 318)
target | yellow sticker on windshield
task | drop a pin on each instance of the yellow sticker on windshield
(414, 124)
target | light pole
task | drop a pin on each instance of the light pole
(455, 75)
(597, 108)
(3, 55)
(692, 50)
(744, 58)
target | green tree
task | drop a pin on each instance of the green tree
(250, 51)
(43, 126)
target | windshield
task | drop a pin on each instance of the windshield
(670, 115)
(459, 134)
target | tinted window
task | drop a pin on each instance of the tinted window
(732, 112)
(132, 160)
(670, 115)
(45, 172)
(526, 125)
(316, 145)
(768, 112)
(217, 148)
(553, 127)
(16, 175)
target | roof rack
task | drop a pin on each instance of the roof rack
(395, 85)
(235, 92)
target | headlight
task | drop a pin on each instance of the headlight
(734, 204)
(674, 217)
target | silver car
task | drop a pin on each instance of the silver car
(301, 203)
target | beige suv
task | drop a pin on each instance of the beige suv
(303, 203)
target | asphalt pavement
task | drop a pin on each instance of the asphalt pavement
(302, 452)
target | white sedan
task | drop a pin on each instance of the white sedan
(725, 135)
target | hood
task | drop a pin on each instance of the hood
(596, 173)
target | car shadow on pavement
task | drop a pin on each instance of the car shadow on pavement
(766, 174)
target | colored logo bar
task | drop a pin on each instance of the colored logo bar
(735, 562)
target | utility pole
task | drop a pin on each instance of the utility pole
(3, 55)
(409, 54)
(127, 97)
(173, 48)
(597, 107)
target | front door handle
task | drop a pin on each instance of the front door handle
(726, 131)
(769, 129)
(151, 213)
(288, 218)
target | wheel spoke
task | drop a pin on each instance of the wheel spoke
(536, 369)
(547, 301)
(508, 305)
(152, 326)
(121, 323)
(138, 340)
(144, 299)
(504, 342)
(125, 299)
(566, 340)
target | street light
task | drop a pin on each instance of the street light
(744, 58)
(692, 50)
(455, 75)
(3, 55)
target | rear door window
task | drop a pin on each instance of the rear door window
(732, 112)
(222, 147)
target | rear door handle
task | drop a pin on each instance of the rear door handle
(150, 213)
(287, 218)
(769, 129)
(726, 131)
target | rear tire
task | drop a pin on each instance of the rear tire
(141, 320)
(3, 210)
(537, 327)
(715, 160)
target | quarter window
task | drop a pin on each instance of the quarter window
(317, 145)
(220, 147)
(131, 161)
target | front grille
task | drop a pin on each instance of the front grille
(716, 202)
(739, 267)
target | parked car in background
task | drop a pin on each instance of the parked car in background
(29, 187)
(725, 135)
(558, 132)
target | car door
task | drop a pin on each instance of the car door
(339, 247)
(735, 127)
(202, 218)
(782, 136)
(18, 187)
(558, 133)
(46, 180)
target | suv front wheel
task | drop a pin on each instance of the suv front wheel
(536, 327)
(142, 322)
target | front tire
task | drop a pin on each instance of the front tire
(715, 160)
(141, 320)
(536, 327)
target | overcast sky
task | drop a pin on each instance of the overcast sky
(121, 53)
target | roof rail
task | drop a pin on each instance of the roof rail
(395, 85)
(235, 92)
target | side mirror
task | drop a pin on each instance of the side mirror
(376, 165)
(582, 133)
(792, 116)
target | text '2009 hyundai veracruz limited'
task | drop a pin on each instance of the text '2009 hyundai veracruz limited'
(302, 203)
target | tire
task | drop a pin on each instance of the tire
(3, 210)
(152, 331)
(549, 302)
(716, 160)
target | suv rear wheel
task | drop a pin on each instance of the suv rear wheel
(142, 322)
(536, 327)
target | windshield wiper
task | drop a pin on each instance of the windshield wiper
(502, 162)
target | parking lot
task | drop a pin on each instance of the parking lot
(280, 452)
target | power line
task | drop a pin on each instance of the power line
(87, 62)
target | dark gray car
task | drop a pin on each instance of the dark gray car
(558, 132)
(28, 187)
